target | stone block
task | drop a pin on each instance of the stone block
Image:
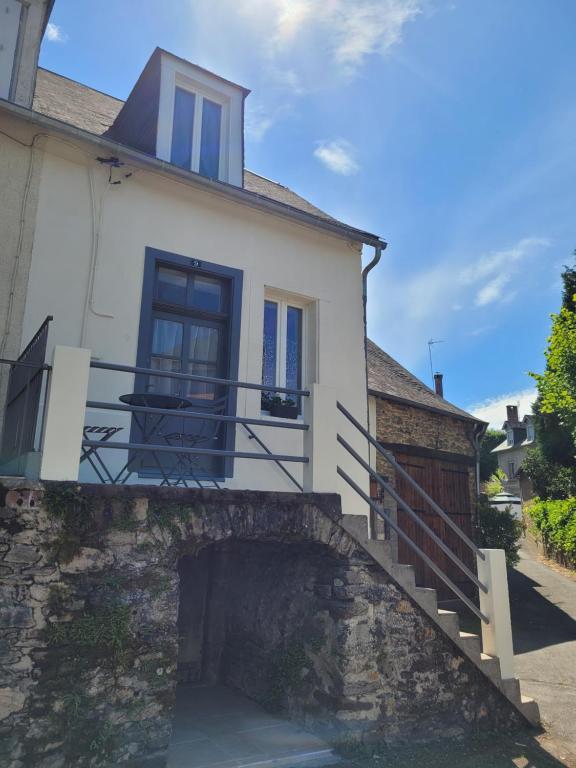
(11, 700)
(88, 559)
(22, 554)
(17, 616)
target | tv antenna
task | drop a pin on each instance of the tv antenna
(431, 343)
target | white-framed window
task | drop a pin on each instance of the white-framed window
(200, 121)
(283, 347)
(511, 470)
(510, 437)
(198, 131)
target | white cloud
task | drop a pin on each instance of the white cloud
(449, 300)
(337, 156)
(304, 44)
(55, 34)
(260, 118)
(493, 272)
(493, 410)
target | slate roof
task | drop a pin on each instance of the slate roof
(71, 102)
(387, 378)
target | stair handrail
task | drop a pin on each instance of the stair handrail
(422, 493)
(429, 562)
(408, 509)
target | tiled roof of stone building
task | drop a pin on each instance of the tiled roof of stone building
(71, 102)
(387, 378)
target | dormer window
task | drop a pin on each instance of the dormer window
(200, 119)
(510, 436)
(197, 133)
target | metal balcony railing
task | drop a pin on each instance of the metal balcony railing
(23, 384)
(189, 452)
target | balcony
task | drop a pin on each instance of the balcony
(80, 419)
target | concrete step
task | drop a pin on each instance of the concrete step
(381, 551)
(530, 710)
(449, 622)
(427, 598)
(404, 575)
(357, 527)
(471, 643)
(511, 687)
(490, 665)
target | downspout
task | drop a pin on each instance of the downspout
(365, 272)
(477, 435)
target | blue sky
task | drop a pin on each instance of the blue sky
(445, 126)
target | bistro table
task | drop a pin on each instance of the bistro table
(149, 428)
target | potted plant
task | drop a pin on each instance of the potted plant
(266, 401)
(285, 409)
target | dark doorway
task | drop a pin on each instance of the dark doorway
(250, 628)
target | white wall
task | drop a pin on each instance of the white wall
(83, 224)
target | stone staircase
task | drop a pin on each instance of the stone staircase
(447, 621)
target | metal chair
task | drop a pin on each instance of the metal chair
(205, 433)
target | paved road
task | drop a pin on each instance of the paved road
(543, 603)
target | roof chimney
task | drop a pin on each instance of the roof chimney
(512, 413)
(438, 385)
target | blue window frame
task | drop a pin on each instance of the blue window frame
(190, 322)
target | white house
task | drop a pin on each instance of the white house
(144, 236)
(168, 317)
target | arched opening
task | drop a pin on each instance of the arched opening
(258, 652)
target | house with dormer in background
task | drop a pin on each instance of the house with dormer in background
(512, 451)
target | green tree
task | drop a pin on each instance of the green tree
(551, 464)
(557, 385)
(488, 460)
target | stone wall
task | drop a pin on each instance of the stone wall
(409, 425)
(302, 619)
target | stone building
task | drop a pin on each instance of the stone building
(437, 444)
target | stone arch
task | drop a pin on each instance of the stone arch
(214, 517)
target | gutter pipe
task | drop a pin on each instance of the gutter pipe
(381, 246)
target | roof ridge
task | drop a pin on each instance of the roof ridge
(384, 385)
(83, 85)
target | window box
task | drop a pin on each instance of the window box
(284, 411)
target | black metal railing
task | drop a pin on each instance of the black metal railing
(22, 416)
(175, 457)
(378, 510)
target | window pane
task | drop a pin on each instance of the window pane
(199, 390)
(162, 385)
(167, 338)
(270, 348)
(181, 152)
(210, 139)
(207, 293)
(204, 343)
(294, 348)
(171, 285)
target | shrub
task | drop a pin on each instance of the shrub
(495, 484)
(549, 479)
(497, 529)
(555, 521)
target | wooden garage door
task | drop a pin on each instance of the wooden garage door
(447, 483)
